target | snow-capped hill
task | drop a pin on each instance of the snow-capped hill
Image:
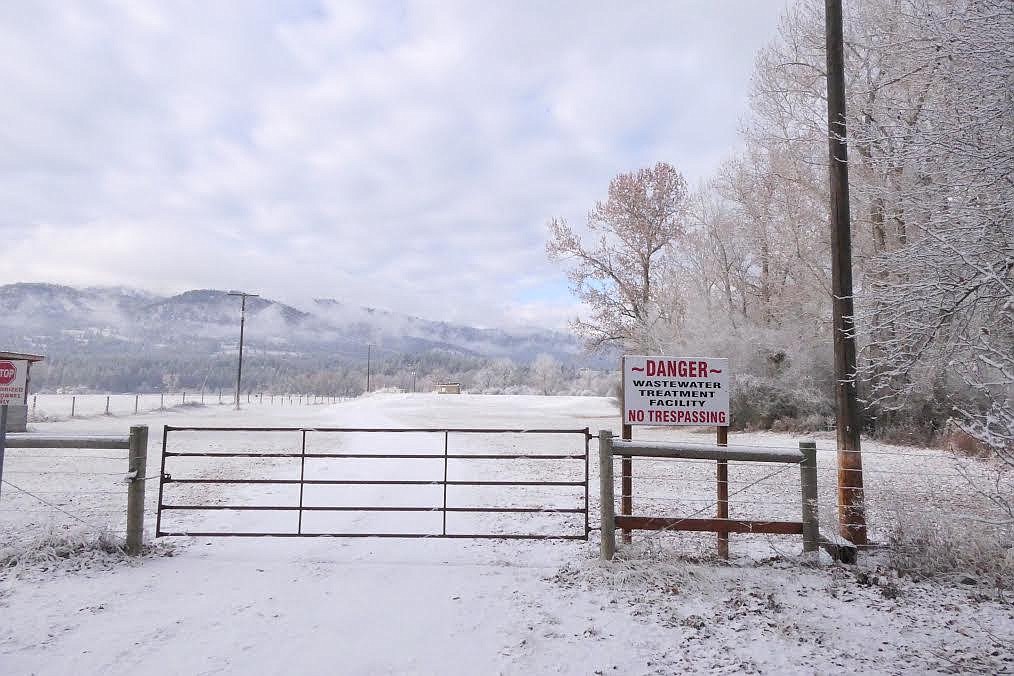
(211, 306)
(63, 307)
(53, 319)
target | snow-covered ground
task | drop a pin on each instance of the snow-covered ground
(434, 606)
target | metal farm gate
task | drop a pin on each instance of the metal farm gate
(324, 482)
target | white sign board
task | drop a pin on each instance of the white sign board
(675, 390)
(13, 381)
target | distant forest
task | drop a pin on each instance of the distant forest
(314, 374)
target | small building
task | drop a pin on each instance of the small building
(17, 415)
(449, 388)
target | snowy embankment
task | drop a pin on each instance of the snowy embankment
(486, 606)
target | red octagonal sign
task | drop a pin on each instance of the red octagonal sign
(8, 372)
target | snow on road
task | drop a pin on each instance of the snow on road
(390, 606)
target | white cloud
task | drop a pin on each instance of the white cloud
(396, 155)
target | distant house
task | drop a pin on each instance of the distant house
(17, 416)
(449, 388)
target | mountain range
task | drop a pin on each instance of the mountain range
(56, 320)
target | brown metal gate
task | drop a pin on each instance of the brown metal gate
(566, 464)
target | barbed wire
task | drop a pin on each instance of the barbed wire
(50, 504)
(714, 503)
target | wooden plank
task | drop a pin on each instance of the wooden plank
(705, 452)
(38, 441)
(710, 525)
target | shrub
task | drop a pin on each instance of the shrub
(757, 402)
(924, 547)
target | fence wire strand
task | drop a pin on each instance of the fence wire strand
(51, 505)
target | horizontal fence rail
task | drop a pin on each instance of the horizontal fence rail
(310, 435)
(89, 442)
(687, 451)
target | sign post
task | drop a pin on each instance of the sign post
(674, 391)
(13, 384)
(626, 462)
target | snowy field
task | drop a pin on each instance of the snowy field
(435, 606)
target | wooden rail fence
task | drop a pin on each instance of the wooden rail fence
(805, 457)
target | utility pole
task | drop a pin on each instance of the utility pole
(851, 512)
(242, 321)
(413, 382)
(369, 349)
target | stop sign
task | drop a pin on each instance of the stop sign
(7, 372)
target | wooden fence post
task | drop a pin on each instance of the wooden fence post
(136, 398)
(73, 402)
(808, 484)
(137, 465)
(722, 476)
(107, 404)
(607, 499)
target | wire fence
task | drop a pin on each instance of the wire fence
(67, 486)
(85, 490)
(55, 492)
(51, 407)
(903, 488)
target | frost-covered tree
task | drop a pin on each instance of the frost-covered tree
(546, 374)
(939, 296)
(618, 269)
(496, 376)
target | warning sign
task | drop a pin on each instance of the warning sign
(13, 381)
(675, 390)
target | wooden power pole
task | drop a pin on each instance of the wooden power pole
(369, 352)
(851, 513)
(242, 323)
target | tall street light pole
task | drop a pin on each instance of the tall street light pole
(851, 512)
(242, 321)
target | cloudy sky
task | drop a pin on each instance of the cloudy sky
(396, 154)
